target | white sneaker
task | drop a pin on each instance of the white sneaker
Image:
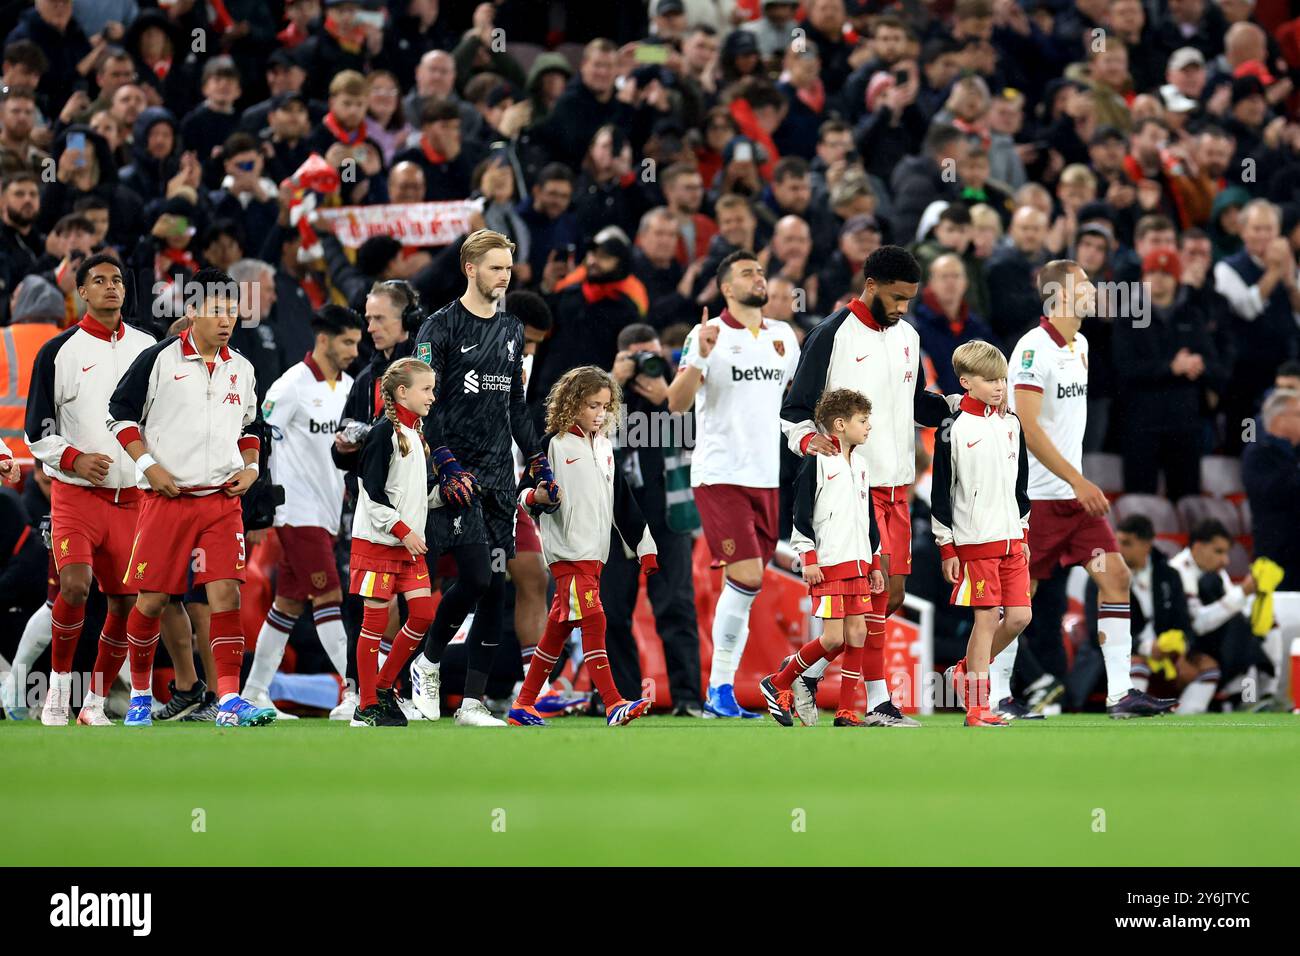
(58, 701)
(347, 706)
(12, 706)
(472, 713)
(426, 682)
(92, 714)
(264, 700)
(409, 710)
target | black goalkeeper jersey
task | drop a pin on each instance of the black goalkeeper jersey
(479, 391)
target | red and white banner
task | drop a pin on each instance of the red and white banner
(412, 224)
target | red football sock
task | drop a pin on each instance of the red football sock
(226, 635)
(593, 652)
(141, 639)
(873, 654)
(419, 616)
(850, 677)
(111, 654)
(804, 658)
(67, 621)
(544, 657)
(374, 621)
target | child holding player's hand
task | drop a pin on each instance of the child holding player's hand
(836, 537)
(980, 516)
(581, 409)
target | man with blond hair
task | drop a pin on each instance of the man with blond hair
(476, 351)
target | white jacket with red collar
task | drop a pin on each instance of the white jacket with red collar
(834, 520)
(979, 501)
(195, 421)
(593, 498)
(73, 379)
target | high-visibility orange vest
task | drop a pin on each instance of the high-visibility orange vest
(18, 347)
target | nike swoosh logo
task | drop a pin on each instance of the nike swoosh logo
(420, 577)
(463, 349)
(179, 377)
(831, 477)
(972, 444)
(570, 461)
(861, 357)
(89, 367)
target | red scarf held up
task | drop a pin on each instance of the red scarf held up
(343, 136)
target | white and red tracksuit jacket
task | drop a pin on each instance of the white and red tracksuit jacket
(594, 498)
(393, 496)
(834, 521)
(194, 421)
(74, 377)
(979, 503)
(849, 349)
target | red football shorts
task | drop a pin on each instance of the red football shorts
(993, 582)
(173, 535)
(836, 607)
(307, 567)
(894, 524)
(382, 585)
(577, 591)
(1062, 534)
(739, 523)
(526, 538)
(88, 527)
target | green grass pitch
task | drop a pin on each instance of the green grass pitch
(1075, 790)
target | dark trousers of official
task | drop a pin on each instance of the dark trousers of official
(1174, 449)
(672, 597)
(1043, 636)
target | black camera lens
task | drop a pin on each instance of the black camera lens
(651, 364)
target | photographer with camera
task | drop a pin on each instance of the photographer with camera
(643, 372)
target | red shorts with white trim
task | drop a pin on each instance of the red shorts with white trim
(379, 571)
(577, 591)
(836, 607)
(526, 538)
(88, 527)
(739, 523)
(175, 535)
(1001, 581)
(1063, 534)
(307, 567)
(894, 524)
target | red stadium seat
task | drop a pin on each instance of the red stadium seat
(1106, 471)
(1193, 509)
(1221, 477)
(1162, 514)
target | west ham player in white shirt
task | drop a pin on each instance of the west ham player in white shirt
(303, 408)
(735, 369)
(1049, 375)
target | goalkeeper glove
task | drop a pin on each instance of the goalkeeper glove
(541, 476)
(458, 486)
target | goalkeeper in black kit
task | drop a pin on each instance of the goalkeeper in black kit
(475, 349)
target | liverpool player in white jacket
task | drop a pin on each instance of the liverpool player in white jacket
(866, 346)
(580, 409)
(303, 408)
(183, 412)
(980, 517)
(93, 495)
(835, 535)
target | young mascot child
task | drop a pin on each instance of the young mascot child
(980, 516)
(388, 550)
(581, 409)
(836, 537)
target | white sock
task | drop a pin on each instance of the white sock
(730, 621)
(1196, 696)
(1268, 685)
(37, 635)
(271, 641)
(1116, 649)
(1000, 673)
(138, 692)
(877, 693)
(818, 669)
(93, 700)
(329, 628)
(1140, 682)
(227, 697)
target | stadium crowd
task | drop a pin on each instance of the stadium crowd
(629, 151)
